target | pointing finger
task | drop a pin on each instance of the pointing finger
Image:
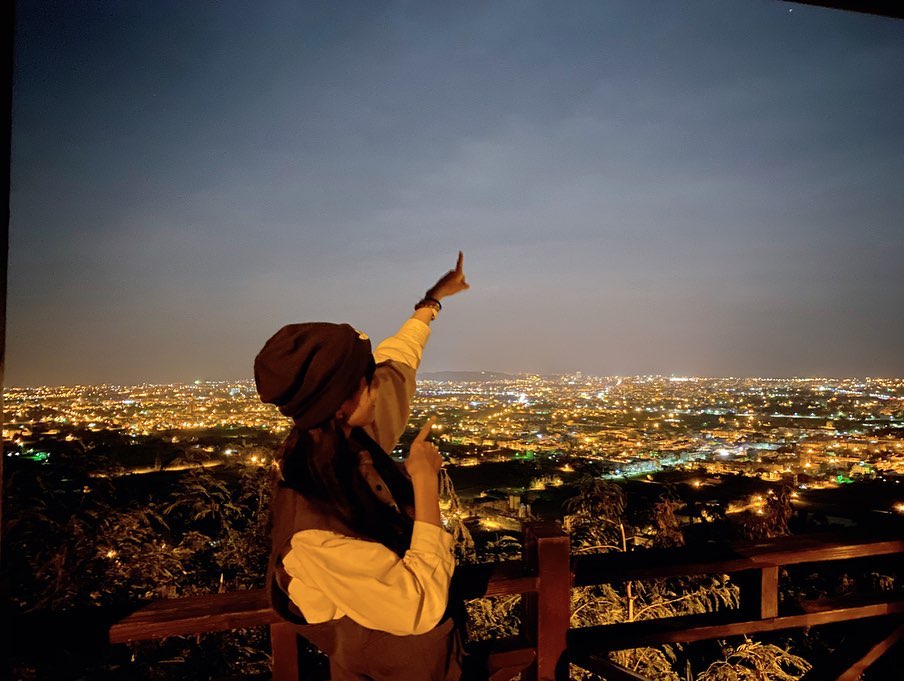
(461, 260)
(425, 431)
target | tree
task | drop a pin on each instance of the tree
(770, 520)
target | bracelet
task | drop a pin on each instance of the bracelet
(428, 301)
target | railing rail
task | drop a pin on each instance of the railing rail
(545, 577)
(727, 558)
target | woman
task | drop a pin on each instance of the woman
(360, 561)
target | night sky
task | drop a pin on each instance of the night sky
(689, 188)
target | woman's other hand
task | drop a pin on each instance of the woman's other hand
(451, 282)
(424, 458)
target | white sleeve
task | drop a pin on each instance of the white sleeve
(406, 346)
(371, 584)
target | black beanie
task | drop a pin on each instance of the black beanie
(309, 370)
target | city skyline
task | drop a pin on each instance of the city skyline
(708, 190)
(445, 376)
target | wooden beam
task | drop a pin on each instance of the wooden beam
(195, 615)
(726, 558)
(589, 640)
(811, 605)
(494, 579)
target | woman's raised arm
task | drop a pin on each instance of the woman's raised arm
(407, 345)
(395, 381)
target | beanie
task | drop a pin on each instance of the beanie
(308, 370)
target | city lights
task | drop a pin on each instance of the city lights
(547, 430)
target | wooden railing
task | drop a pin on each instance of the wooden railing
(545, 577)
(755, 567)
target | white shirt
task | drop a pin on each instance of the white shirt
(333, 575)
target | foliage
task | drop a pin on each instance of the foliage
(752, 661)
(69, 542)
(226, 521)
(497, 617)
(80, 536)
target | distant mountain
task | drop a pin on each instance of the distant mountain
(467, 376)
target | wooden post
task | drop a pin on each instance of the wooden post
(769, 592)
(759, 592)
(284, 648)
(547, 612)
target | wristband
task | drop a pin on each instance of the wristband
(427, 301)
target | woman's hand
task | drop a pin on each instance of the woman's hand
(451, 282)
(424, 459)
(423, 465)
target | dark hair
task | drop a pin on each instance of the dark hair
(321, 464)
(369, 370)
